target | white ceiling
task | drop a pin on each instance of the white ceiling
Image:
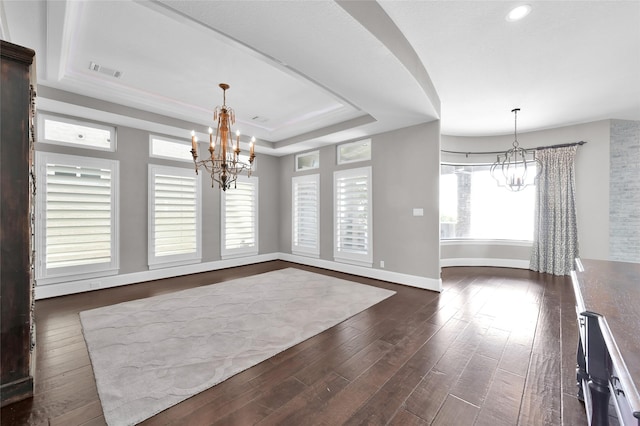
(308, 73)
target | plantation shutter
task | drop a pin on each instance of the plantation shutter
(175, 215)
(353, 215)
(240, 217)
(78, 222)
(306, 195)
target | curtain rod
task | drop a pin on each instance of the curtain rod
(562, 145)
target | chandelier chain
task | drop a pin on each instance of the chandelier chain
(515, 127)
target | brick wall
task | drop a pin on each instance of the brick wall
(624, 191)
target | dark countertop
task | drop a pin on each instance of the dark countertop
(612, 289)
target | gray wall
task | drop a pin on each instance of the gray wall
(133, 155)
(592, 180)
(406, 175)
(405, 167)
(493, 253)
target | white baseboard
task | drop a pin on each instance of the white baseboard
(378, 274)
(72, 287)
(479, 261)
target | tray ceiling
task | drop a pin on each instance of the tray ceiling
(308, 73)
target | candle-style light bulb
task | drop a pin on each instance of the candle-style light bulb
(193, 141)
(236, 145)
(252, 145)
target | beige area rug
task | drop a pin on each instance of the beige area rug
(153, 353)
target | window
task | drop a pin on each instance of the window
(174, 216)
(305, 215)
(354, 151)
(353, 218)
(473, 206)
(76, 222)
(170, 149)
(240, 218)
(67, 131)
(244, 159)
(307, 161)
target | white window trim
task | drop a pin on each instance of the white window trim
(187, 147)
(353, 258)
(45, 276)
(112, 130)
(156, 262)
(244, 251)
(484, 242)
(297, 156)
(339, 159)
(295, 249)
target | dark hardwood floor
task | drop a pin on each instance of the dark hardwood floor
(496, 347)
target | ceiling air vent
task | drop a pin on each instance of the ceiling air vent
(104, 70)
(260, 119)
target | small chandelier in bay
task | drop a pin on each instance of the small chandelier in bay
(225, 162)
(517, 168)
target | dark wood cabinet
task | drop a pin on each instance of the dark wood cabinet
(16, 189)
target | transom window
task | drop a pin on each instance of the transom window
(353, 152)
(69, 131)
(307, 161)
(171, 149)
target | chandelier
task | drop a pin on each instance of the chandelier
(225, 163)
(517, 168)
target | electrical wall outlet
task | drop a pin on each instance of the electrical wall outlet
(382, 263)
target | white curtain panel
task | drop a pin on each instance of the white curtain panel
(555, 244)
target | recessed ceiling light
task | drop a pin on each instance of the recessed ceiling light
(517, 13)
